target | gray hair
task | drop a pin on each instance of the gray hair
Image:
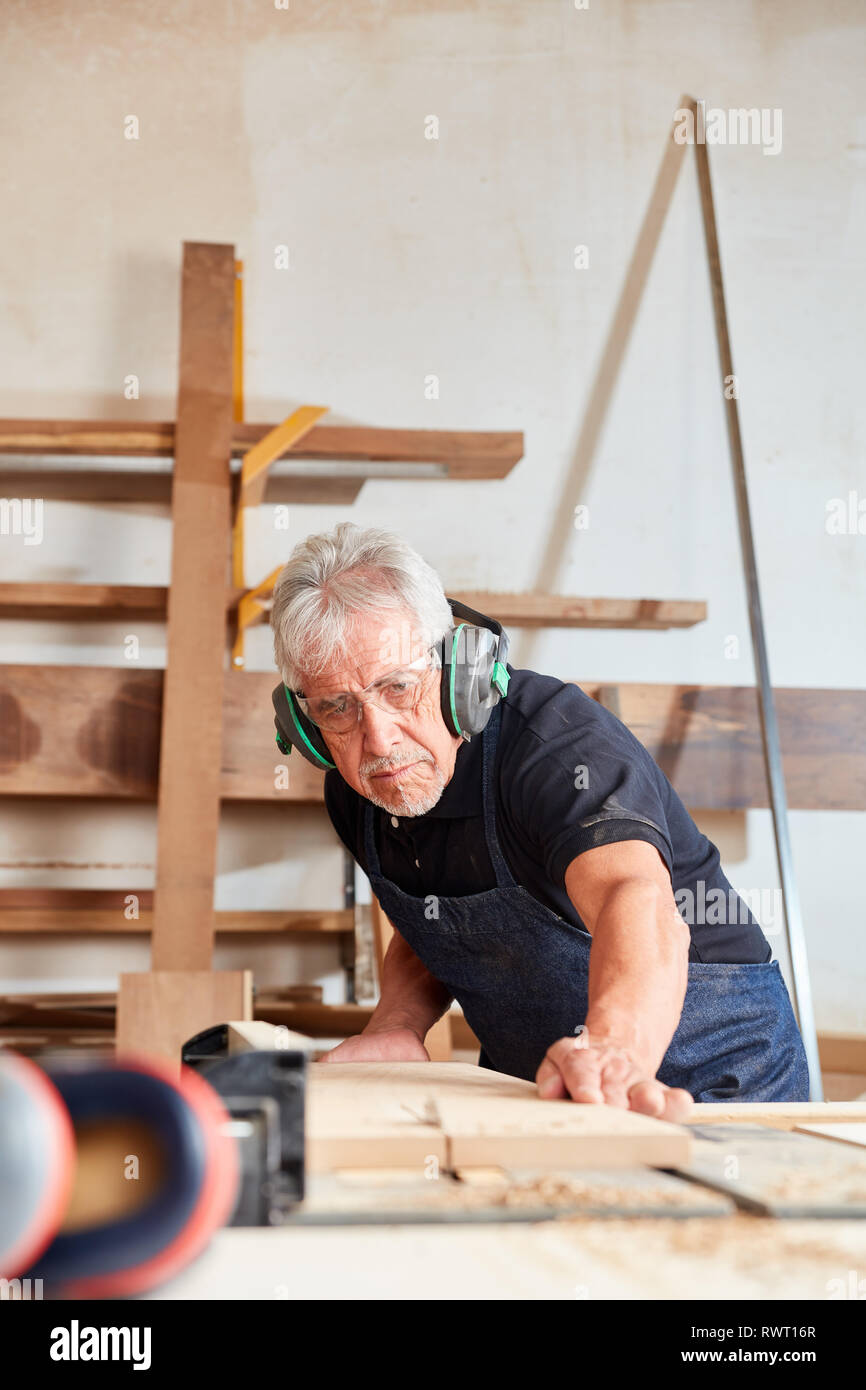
(332, 579)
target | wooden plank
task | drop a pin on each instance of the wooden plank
(779, 1114)
(188, 799)
(110, 921)
(466, 454)
(537, 610)
(66, 602)
(159, 1011)
(61, 602)
(107, 721)
(142, 485)
(529, 1132)
(366, 1115)
(707, 741)
(370, 1114)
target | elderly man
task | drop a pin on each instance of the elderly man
(529, 852)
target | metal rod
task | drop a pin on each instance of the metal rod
(766, 705)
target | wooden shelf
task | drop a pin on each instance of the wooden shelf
(92, 912)
(69, 602)
(458, 454)
(534, 610)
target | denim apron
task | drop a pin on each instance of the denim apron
(520, 973)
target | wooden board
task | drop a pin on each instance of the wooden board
(780, 1114)
(707, 741)
(370, 1115)
(160, 1010)
(538, 610)
(526, 1131)
(104, 910)
(389, 1114)
(107, 721)
(188, 800)
(466, 454)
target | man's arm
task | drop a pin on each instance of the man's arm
(410, 1002)
(638, 972)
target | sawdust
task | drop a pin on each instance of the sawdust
(744, 1240)
(843, 1185)
(551, 1191)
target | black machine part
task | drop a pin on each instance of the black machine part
(264, 1093)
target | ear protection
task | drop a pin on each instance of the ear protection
(474, 678)
(67, 1125)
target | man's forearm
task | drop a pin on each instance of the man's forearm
(638, 972)
(410, 996)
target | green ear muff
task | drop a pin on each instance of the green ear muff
(300, 733)
(474, 670)
(473, 678)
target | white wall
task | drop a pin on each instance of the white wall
(454, 256)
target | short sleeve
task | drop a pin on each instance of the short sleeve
(576, 778)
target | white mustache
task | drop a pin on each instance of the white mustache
(389, 764)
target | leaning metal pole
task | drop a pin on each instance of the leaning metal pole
(766, 704)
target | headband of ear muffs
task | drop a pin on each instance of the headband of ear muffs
(177, 1128)
(474, 677)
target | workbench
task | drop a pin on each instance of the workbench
(476, 1233)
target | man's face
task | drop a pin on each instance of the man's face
(399, 760)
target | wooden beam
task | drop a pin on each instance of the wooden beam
(68, 602)
(707, 740)
(140, 485)
(561, 610)
(466, 454)
(778, 1114)
(192, 709)
(67, 911)
(94, 732)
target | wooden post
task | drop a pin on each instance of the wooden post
(157, 1011)
(189, 768)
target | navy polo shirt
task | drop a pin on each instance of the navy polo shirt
(568, 776)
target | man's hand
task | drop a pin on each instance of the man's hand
(598, 1071)
(386, 1045)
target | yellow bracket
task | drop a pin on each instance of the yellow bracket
(252, 609)
(254, 476)
(254, 473)
(238, 345)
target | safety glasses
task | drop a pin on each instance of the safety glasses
(399, 691)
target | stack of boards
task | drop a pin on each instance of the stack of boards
(369, 1124)
(403, 1114)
